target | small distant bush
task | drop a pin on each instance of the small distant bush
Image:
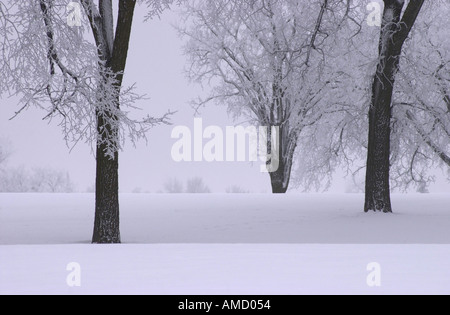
(197, 186)
(237, 190)
(194, 185)
(173, 186)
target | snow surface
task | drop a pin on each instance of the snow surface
(225, 269)
(154, 219)
(226, 244)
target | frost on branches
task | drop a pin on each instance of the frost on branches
(273, 62)
(75, 74)
(421, 128)
(60, 69)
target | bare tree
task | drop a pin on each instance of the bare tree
(15, 180)
(235, 189)
(197, 186)
(271, 62)
(173, 186)
(39, 180)
(77, 80)
(46, 180)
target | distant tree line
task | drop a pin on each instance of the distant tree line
(37, 180)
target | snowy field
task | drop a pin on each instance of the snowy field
(226, 244)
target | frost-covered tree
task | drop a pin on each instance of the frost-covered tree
(419, 119)
(421, 112)
(398, 22)
(14, 180)
(47, 180)
(270, 61)
(70, 61)
(338, 139)
(39, 180)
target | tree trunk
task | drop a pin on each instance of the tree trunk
(378, 196)
(113, 52)
(393, 35)
(107, 220)
(287, 143)
(280, 179)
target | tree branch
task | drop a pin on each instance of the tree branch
(312, 44)
(426, 138)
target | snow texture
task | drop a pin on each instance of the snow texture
(154, 219)
(182, 244)
(225, 269)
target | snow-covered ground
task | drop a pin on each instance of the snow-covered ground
(262, 219)
(225, 269)
(226, 244)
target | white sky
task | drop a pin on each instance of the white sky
(156, 63)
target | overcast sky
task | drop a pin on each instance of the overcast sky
(156, 63)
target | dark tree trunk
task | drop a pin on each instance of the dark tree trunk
(107, 220)
(113, 51)
(378, 196)
(280, 177)
(278, 180)
(393, 35)
(107, 215)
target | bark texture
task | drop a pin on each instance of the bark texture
(395, 30)
(113, 52)
(285, 149)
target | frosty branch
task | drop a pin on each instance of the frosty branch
(78, 81)
(262, 58)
